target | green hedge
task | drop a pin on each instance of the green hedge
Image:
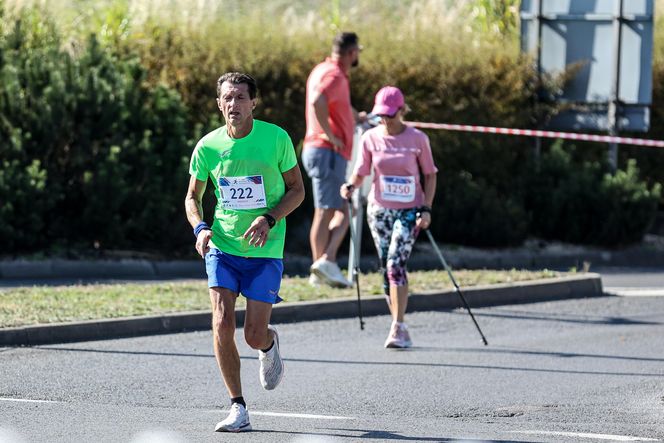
(93, 157)
(584, 204)
(96, 130)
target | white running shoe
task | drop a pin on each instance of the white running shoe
(237, 420)
(329, 272)
(406, 336)
(272, 367)
(399, 337)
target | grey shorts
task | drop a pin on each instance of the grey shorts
(327, 170)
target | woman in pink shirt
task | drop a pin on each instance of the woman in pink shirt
(399, 206)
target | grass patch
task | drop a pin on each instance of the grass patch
(51, 304)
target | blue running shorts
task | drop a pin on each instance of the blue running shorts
(255, 278)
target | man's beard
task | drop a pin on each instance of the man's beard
(355, 63)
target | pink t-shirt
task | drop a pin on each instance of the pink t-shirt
(398, 161)
(329, 79)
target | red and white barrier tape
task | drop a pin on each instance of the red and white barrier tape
(538, 133)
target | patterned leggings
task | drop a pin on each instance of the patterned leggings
(394, 233)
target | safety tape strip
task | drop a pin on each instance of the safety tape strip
(539, 133)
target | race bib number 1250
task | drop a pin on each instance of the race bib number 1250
(242, 192)
(397, 188)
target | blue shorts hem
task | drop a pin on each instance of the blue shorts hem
(255, 278)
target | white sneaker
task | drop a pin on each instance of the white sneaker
(399, 337)
(315, 280)
(329, 272)
(237, 420)
(272, 367)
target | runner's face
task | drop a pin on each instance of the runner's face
(235, 103)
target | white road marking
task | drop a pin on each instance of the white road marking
(27, 400)
(635, 292)
(590, 435)
(264, 413)
(295, 415)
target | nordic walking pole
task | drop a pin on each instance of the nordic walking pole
(356, 267)
(456, 287)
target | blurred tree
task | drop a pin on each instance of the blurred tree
(495, 18)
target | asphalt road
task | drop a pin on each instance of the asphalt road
(576, 370)
(632, 281)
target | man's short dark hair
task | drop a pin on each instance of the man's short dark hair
(237, 78)
(344, 42)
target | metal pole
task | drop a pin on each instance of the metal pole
(356, 267)
(538, 24)
(356, 221)
(357, 199)
(614, 104)
(537, 150)
(456, 286)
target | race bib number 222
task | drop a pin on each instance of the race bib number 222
(246, 192)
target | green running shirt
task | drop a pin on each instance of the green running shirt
(247, 178)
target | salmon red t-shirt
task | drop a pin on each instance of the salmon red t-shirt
(329, 79)
(398, 161)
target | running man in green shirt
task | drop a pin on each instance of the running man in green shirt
(257, 181)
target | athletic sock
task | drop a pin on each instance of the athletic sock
(268, 349)
(239, 400)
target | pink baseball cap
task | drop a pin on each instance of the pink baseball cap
(388, 101)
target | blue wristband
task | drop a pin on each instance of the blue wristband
(202, 226)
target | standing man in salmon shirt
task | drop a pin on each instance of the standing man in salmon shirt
(328, 145)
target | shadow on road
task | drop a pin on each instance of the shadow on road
(379, 363)
(499, 350)
(377, 435)
(567, 318)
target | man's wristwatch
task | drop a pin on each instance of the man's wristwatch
(271, 221)
(349, 187)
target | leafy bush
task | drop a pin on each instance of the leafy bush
(583, 204)
(92, 155)
(474, 213)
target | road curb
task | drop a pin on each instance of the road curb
(575, 286)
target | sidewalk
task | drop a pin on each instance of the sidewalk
(533, 255)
